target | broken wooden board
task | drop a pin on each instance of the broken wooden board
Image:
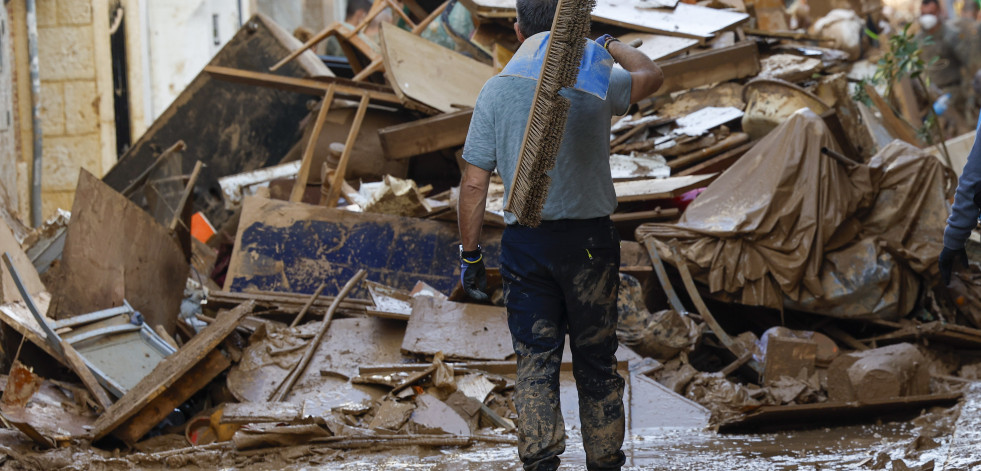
(427, 76)
(282, 246)
(459, 330)
(775, 418)
(50, 411)
(113, 251)
(684, 20)
(705, 68)
(231, 128)
(18, 316)
(661, 188)
(28, 274)
(172, 382)
(425, 135)
(658, 46)
(261, 412)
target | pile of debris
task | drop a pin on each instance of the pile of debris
(272, 263)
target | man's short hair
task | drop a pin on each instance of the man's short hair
(535, 16)
(354, 5)
(927, 2)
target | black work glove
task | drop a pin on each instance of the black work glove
(473, 274)
(949, 259)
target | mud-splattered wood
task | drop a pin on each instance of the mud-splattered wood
(113, 251)
(719, 163)
(300, 185)
(717, 65)
(282, 246)
(458, 330)
(132, 429)
(338, 180)
(264, 412)
(425, 135)
(169, 373)
(28, 275)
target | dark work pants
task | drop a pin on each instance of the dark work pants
(559, 278)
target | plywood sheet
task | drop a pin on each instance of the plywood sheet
(424, 72)
(459, 330)
(684, 20)
(113, 251)
(659, 46)
(25, 269)
(661, 188)
(282, 246)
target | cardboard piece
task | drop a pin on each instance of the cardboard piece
(283, 246)
(459, 330)
(113, 251)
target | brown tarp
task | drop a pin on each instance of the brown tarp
(789, 226)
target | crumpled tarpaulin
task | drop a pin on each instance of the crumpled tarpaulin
(787, 226)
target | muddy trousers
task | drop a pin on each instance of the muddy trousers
(561, 278)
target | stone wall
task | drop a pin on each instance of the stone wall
(76, 96)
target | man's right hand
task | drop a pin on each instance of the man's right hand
(949, 259)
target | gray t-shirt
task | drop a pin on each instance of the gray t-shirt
(582, 185)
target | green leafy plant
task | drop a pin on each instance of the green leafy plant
(904, 59)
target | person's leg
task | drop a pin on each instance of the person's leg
(535, 317)
(591, 282)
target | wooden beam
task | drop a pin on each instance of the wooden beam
(303, 176)
(898, 128)
(338, 182)
(654, 214)
(342, 87)
(425, 135)
(734, 140)
(185, 196)
(718, 164)
(718, 65)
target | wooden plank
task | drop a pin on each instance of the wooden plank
(660, 188)
(734, 140)
(231, 128)
(257, 413)
(426, 73)
(654, 214)
(898, 128)
(199, 376)
(28, 274)
(169, 372)
(293, 247)
(658, 46)
(772, 418)
(717, 65)
(334, 193)
(317, 87)
(113, 251)
(303, 176)
(425, 135)
(718, 164)
(459, 330)
(188, 191)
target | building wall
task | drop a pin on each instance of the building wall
(77, 117)
(8, 128)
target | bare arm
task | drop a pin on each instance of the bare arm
(645, 76)
(473, 200)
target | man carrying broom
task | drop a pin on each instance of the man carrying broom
(560, 276)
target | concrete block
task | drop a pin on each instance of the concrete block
(66, 52)
(74, 12)
(52, 108)
(887, 372)
(47, 14)
(81, 107)
(786, 356)
(63, 156)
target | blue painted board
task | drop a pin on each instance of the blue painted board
(292, 247)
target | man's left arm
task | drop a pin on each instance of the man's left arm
(471, 205)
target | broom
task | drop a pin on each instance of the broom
(549, 111)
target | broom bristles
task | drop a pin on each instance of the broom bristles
(549, 111)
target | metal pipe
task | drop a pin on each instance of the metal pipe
(35, 112)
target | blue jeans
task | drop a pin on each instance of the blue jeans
(563, 277)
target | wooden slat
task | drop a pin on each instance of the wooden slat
(425, 135)
(898, 128)
(661, 188)
(169, 372)
(717, 65)
(338, 181)
(303, 176)
(345, 88)
(734, 140)
(720, 163)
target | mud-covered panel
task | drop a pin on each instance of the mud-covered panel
(293, 247)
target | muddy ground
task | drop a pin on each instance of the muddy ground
(873, 446)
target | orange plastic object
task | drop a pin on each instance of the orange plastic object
(201, 228)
